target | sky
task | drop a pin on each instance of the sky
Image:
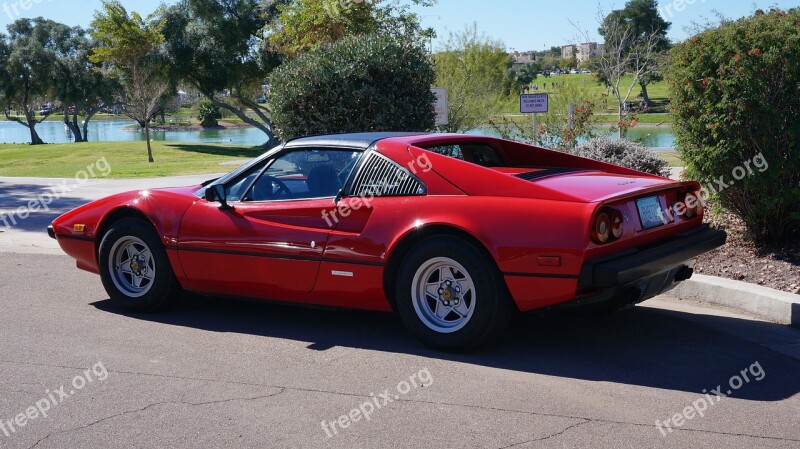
(522, 25)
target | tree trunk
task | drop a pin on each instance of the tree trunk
(35, 139)
(621, 134)
(73, 126)
(147, 136)
(645, 95)
(89, 117)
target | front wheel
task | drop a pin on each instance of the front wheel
(134, 267)
(450, 295)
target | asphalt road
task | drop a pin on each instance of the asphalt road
(221, 373)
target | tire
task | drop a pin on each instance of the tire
(451, 296)
(134, 267)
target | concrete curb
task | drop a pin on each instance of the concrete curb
(770, 304)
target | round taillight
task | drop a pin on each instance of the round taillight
(690, 204)
(602, 228)
(617, 224)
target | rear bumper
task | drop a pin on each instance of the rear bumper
(637, 275)
(634, 265)
(51, 232)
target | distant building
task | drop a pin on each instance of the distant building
(568, 51)
(590, 50)
(523, 57)
(583, 52)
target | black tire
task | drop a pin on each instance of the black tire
(161, 290)
(492, 308)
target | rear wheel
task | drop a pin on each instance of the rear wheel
(135, 269)
(450, 295)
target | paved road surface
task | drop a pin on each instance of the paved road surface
(221, 373)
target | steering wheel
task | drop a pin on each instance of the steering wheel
(277, 187)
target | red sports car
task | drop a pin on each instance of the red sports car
(453, 232)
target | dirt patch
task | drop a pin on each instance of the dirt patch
(740, 259)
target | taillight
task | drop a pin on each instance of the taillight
(617, 224)
(608, 225)
(690, 205)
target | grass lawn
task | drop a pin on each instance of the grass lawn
(127, 159)
(673, 159)
(659, 94)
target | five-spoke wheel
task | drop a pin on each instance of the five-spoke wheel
(451, 295)
(134, 267)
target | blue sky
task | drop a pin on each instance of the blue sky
(520, 24)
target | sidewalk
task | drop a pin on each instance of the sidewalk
(29, 235)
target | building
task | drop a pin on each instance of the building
(568, 51)
(523, 57)
(583, 52)
(590, 50)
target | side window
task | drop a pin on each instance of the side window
(476, 153)
(380, 176)
(304, 174)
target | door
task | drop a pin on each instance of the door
(269, 244)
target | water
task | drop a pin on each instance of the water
(654, 138)
(114, 131)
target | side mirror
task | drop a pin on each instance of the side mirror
(217, 194)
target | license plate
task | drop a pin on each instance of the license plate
(650, 212)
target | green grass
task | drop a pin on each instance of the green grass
(659, 93)
(127, 159)
(673, 159)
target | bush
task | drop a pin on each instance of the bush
(208, 114)
(625, 153)
(736, 97)
(364, 83)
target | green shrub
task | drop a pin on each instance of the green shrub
(208, 114)
(625, 153)
(364, 83)
(736, 97)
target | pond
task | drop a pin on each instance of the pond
(114, 131)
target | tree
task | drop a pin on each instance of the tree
(128, 45)
(80, 87)
(362, 83)
(644, 20)
(524, 75)
(736, 99)
(219, 48)
(474, 70)
(28, 60)
(304, 25)
(627, 53)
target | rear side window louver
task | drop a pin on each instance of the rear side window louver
(382, 177)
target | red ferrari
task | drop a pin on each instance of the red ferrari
(453, 232)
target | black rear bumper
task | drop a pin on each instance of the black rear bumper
(640, 274)
(51, 232)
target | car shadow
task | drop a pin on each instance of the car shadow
(219, 150)
(641, 346)
(42, 205)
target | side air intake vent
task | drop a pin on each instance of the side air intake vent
(382, 177)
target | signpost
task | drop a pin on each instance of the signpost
(534, 104)
(441, 105)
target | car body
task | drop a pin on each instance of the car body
(453, 232)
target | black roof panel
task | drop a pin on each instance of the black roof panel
(355, 140)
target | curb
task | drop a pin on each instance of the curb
(770, 304)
